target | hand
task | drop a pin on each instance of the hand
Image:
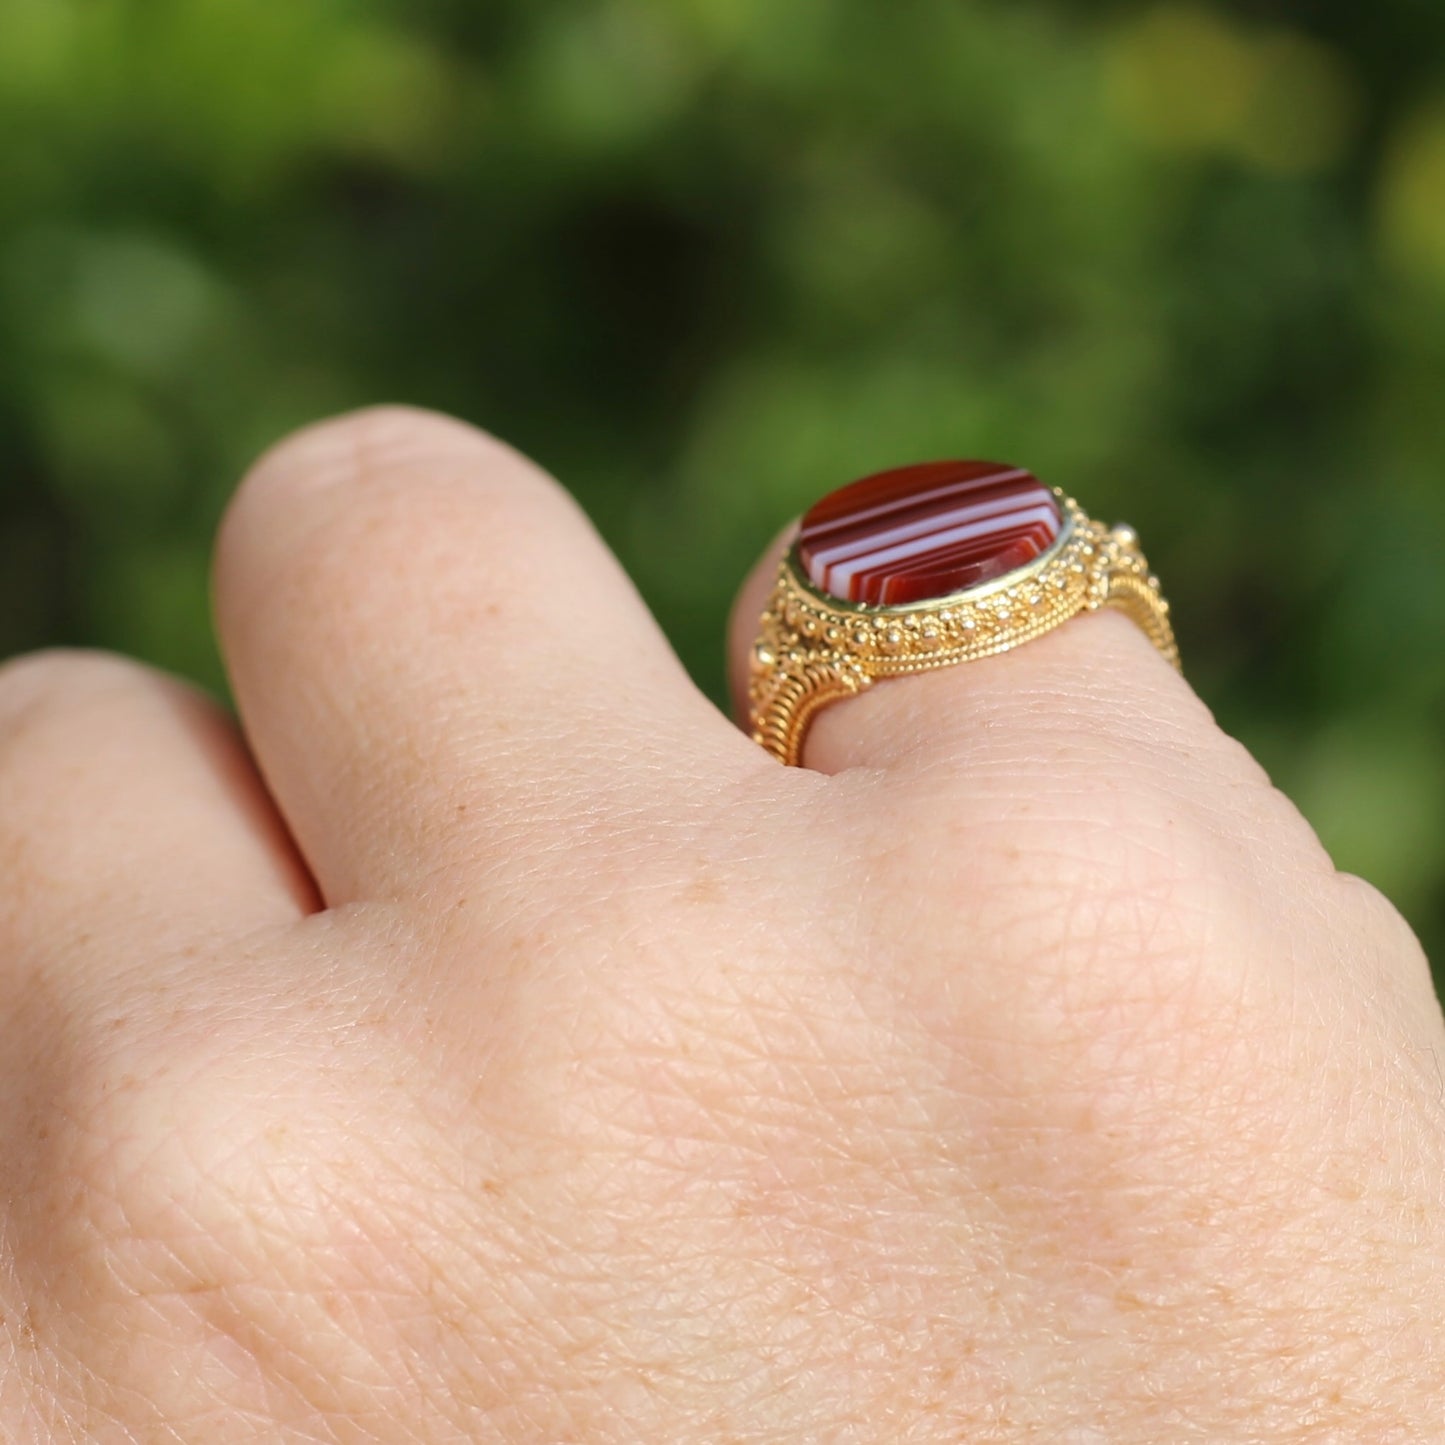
(514, 1052)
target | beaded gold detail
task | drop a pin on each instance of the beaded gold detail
(813, 649)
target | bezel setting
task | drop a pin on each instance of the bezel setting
(814, 648)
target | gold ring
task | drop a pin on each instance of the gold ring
(923, 567)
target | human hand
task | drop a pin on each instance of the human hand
(529, 1058)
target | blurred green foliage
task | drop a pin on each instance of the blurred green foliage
(709, 258)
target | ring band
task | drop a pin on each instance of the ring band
(917, 569)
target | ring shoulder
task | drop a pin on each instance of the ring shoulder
(1123, 580)
(795, 669)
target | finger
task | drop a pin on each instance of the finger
(437, 660)
(131, 819)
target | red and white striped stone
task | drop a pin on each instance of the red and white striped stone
(925, 532)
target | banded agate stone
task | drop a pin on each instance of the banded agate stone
(925, 532)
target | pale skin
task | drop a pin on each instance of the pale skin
(489, 1042)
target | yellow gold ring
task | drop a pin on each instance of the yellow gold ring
(920, 568)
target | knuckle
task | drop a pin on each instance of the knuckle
(40, 686)
(211, 1166)
(1384, 947)
(1077, 866)
(71, 725)
(364, 458)
(390, 493)
(1107, 929)
(242, 1192)
(1372, 910)
(59, 711)
(189, 1198)
(64, 706)
(347, 450)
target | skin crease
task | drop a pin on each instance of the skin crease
(513, 1052)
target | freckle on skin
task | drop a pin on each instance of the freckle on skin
(705, 889)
